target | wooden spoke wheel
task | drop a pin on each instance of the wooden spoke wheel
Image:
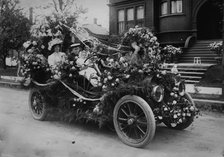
(134, 121)
(37, 105)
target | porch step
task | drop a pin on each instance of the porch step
(191, 77)
(199, 49)
(191, 73)
(191, 81)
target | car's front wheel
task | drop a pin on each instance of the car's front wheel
(134, 121)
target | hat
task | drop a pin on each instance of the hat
(75, 45)
(54, 42)
(28, 45)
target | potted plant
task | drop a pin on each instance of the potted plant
(217, 48)
(170, 53)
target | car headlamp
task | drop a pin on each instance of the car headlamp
(158, 93)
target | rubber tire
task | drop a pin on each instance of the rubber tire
(189, 121)
(44, 114)
(149, 114)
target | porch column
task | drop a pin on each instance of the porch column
(149, 14)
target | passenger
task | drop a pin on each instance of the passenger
(57, 57)
(86, 69)
(137, 55)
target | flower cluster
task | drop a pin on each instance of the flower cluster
(33, 65)
(146, 40)
(217, 47)
(169, 51)
(69, 69)
(29, 43)
(177, 108)
(111, 79)
(141, 35)
(178, 111)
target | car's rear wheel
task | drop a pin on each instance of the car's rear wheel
(188, 120)
(38, 105)
(134, 121)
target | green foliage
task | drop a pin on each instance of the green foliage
(14, 27)
(64, 11)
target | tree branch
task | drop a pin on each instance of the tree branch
(61, 3)
(55, 6)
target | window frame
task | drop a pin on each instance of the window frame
(167, 8)
(130, 21)
(120, 23)
(135, 21)
(176, 7)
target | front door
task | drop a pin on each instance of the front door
(209, 20)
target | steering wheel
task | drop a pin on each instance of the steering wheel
(91, 56)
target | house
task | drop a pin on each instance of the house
(191, 24)
(97, 31)
(173, 21)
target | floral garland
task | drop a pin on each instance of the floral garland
(146, 40)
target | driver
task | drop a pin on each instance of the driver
(74, 51)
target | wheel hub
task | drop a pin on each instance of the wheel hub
(34, 103)
(131, 121)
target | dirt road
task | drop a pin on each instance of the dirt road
(22, 136)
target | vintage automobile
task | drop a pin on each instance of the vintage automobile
(131, 97)
(135, 103)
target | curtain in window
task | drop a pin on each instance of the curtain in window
(130, 18)
(176, 6)
(140, 12)
(121, 23)
(164, 10)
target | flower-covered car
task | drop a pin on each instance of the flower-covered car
(132, 98)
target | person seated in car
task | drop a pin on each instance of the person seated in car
(137, 55)
(86, 68)
(57, 57)
(74, 51)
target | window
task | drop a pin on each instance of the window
(130, 18)
(164, 8)
(121, 21)
(176, 6)
(140, 12)
(130, 14)
(140, 16)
